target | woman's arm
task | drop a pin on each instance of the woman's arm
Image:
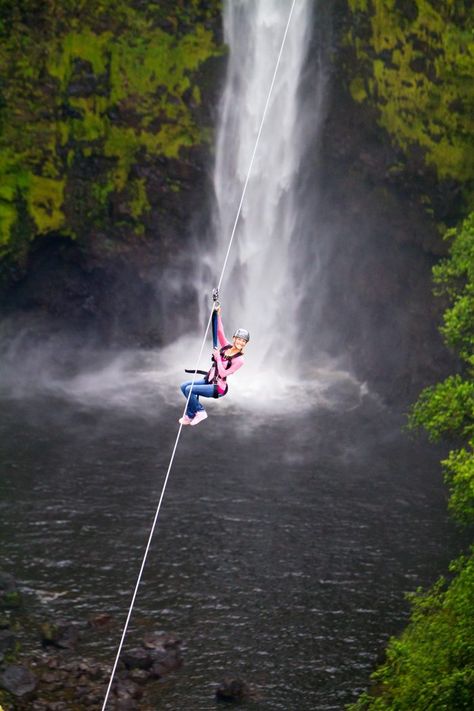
(220, 330)
(222, 370)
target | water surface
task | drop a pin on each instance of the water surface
(283, 551)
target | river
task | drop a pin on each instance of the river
(286, 542)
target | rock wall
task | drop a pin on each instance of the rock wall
(106, 114)
(392, 169)
(413, 62)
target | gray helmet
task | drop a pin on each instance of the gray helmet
(242, 333)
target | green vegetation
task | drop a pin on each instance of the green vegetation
(431, 665)
(415, 63)
(96, 83)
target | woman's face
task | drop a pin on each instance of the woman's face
(240, 343)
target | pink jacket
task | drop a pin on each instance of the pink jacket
(221, 361)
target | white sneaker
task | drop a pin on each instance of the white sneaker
(184, 420)
(198, 417)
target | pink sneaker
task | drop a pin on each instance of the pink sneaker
(198, 417)
(184, 420)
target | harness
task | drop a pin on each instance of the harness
(207, 373)
(216, 375)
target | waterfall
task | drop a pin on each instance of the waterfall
(260, 290)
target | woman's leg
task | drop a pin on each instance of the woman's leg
(200, 388)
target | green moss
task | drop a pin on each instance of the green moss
(85, 45)
(45, 200)
(106, 84)
(8, 217)
(421, 64)
(121, 144)
(139, 203)
(358, 89)
(10, 599)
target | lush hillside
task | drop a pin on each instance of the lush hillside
(431, 665)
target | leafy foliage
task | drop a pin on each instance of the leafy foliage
(447, 409)
(454, 278)
(431, 665)
(459, 473)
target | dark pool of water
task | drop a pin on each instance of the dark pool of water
(282, 554)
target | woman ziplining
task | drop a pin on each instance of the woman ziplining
(226, 360)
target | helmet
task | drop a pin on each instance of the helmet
(242, 333)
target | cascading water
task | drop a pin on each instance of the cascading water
(262, 289)
(259, 291)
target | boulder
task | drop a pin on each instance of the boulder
(62, 635)
(101, 620)
(9, 593)
(233, 691)
(18, 681)
(137, 659)
(165, 651)
(165, 663)
(7, 642)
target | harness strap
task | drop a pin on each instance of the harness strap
(214, 379)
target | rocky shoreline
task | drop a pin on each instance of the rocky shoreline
(55, 675)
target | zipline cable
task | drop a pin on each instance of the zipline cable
(234, 228)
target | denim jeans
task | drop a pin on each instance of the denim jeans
(200, 388)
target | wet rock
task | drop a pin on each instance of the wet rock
(160, 640)
(233, 691)
(124, 705)
(59, 634)
(17, 680)
(137, 659)
(7, 642)
(169, 661)
(125, 695)
(7, 582)
(165, 651)
(100, 620)
(140, 676)
(56, 677)
(9, 593)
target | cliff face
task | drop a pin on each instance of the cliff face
(395, 166)
(412, 61)
(105, 119)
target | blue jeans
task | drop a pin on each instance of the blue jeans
(200, 388)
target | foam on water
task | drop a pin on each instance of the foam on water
(142, 381)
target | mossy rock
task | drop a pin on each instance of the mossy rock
(9, 594)
(10, 600)
(415, 63)
(116, 85)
